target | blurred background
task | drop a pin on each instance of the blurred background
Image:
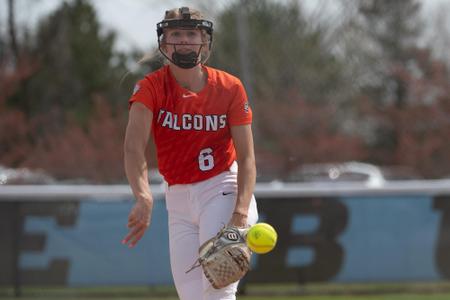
(349, 91)
(329, 81)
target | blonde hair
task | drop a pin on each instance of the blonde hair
(174, 14)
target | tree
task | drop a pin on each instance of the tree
(438, 32)
(379, 38)
(15, 128)
(422, 127)
(12, 30)
(291, 72)
(394, 28)
(284, 53)
(76, 61)
(63, 108)
(92, 153)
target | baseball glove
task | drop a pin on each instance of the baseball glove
(224, 258)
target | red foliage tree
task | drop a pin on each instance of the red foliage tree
(93, 154)
(15, 129)
(302, 132)
(421, 127)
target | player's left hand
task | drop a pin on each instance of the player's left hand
(138, 222)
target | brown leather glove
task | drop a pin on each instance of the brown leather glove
(225, 258)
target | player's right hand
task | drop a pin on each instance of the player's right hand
(138, 222)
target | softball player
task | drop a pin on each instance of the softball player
(200, 121)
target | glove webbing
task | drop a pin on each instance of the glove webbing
(239, 260)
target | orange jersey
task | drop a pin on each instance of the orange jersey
(192, 130)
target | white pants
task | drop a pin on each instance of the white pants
(196, 213)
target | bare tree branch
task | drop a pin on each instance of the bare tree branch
(12, 30)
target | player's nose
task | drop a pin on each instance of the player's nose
(182, 38)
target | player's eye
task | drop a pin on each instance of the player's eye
(192, 33)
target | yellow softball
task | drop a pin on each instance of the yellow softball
(261, 238)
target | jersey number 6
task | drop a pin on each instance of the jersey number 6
(205, 159)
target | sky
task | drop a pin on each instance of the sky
(135, 20)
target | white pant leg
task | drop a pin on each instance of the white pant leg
(215, 210)
(196, 213)
(183, 243)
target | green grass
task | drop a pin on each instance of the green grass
(367, 297)
(328, 291)
(342, 297)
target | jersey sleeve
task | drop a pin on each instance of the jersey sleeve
(144, 93)
(240, 112)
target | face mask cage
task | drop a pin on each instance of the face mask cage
(185, 24)
(189, 60)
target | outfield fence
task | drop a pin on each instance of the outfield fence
(70, 235)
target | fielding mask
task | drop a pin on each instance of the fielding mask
(184, 60)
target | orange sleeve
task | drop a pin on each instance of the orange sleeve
(144, 93)
(240, 112)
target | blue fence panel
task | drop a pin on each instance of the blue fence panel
(344, 238)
